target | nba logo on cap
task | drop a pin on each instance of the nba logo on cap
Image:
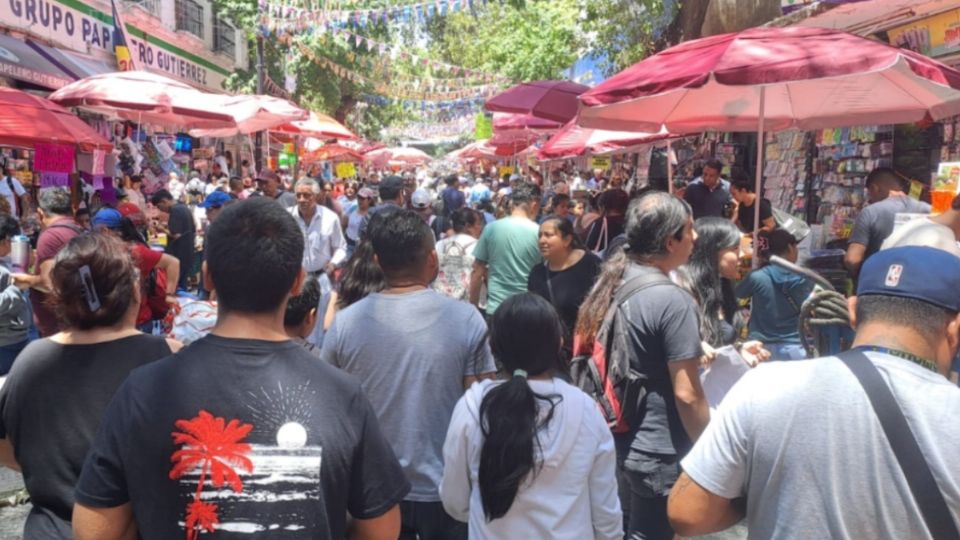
(893, 275)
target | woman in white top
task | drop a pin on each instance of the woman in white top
(530, 456)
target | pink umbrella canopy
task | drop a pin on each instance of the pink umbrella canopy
(510, 121)
(405, 155)
(806, 78)
(573, 141)
(26, 120)
(318, 125)
(552, 100)
(252, 113)
(146, 97)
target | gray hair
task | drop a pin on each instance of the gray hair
(310, 183)
(56, 201)
(652, 220)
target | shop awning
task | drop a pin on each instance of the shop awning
(18, 60)
(75, 66)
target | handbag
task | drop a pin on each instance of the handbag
(933, 508)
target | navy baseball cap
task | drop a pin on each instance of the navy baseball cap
(922, 273)
(216, 200)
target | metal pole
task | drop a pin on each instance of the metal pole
(759, 180)
(258, 149)
(669, 168)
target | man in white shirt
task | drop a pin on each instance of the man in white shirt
(325, 246)
(803, 442)
(16, 195)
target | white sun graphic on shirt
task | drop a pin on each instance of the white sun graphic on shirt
(291, 436)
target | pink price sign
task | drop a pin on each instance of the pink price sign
(53, 158)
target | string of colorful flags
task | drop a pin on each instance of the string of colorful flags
(392, 88)
(360, 18)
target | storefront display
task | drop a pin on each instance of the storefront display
(787, 170)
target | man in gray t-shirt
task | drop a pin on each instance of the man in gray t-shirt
(801, 440)
(875, 222)
(414, 352)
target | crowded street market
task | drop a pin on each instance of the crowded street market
(451, 269)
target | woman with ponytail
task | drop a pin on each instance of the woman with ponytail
(530, 456)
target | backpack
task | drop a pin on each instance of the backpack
(453, 276)
(602, 369)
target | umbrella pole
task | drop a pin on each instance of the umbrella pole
(669, 168)
(756, 204)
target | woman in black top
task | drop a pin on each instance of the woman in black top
(57, 391)
(566, 275)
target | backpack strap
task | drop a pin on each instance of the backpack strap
(624, 292)
(926, 493)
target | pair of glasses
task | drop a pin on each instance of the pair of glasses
(304, 195)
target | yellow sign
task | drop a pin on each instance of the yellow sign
(600, 162)
(346, 170)
(938, 35)
(504, 170)
(916, 189)
(532, 161)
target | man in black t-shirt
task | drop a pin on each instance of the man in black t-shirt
(743, 192)
(244, 431)
(181, 232)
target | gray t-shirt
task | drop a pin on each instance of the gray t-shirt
(664, 327)
(875, 222)
(411, 352)
(802, 442)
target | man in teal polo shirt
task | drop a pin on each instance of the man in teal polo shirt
(507, 250)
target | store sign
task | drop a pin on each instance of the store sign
(934, 36)
(600, 163)
(346, 170)
(53, 158)
(80, 27)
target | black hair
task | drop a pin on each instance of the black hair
(713, 292)
(743, 185)
(714, 164)
(392, 189)
(136, 178)
(81, 212)
(299, 306)
(525, 193)
(129, 233)
(558, 199)
(254, 254)
(886, 178)
(451, 180)
(566, 230)
(928, 320)
(525, 333)
(161, 195)
(464, 217)
(9, 226)
(361, 276)
(400, 240)
(775, 242)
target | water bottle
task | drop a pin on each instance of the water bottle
(20, 253)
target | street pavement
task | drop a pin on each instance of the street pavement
(11, 517)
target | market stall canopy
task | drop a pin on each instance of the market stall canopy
(253, 113)
(552, 100)
(149, 98)
(573, 141)
(317, 125)
(511, 121)
(405, 155)
(333, 152)
(806, 78)
(26, 120)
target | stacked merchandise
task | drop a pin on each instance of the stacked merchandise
(950, 150)
(786, 171)
(844, 157)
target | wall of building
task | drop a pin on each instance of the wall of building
(85, 26)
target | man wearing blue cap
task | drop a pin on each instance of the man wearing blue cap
(215, 202)
(860, 446)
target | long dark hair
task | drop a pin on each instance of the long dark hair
(525, 334)
(714, 293)
(361, 277)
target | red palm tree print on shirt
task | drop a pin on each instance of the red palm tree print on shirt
(214, 446)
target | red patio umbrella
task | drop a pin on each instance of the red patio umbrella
(573, 141)
(511, 121)
(333, 152)
(552, 100)
(773, 78)
(26, 120)
(405, 155)
(146, 97)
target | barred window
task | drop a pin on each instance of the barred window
(224, 37)
(189, 17)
